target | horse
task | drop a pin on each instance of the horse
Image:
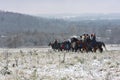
(74, 46)
(67, 45)
(52, 45)
(79, 45)
(55, 46)
(98, 46)
(83, 46)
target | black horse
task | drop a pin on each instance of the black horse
(66, 45)
(98, 46)
(55, 46)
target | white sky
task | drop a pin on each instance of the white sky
(60, 6)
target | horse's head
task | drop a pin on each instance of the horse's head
(50, 44)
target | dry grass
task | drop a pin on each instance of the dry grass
(44, 64)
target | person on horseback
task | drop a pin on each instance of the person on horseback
(55, 44)
(81, 40)
(88, 38)
(83, 37)
(55, 41)
(93, 40)
(93, 37)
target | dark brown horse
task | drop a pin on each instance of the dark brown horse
(83, 46)
(98, 46)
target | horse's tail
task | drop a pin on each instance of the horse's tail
(103, 44)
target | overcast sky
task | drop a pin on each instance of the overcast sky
(60, 6)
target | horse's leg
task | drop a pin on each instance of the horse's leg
(76, 48)
(90, 49)
(101, 50)
(94, 49)
(80, 49)
(86, 50)
(72, 49)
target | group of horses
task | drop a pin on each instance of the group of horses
(78, 45)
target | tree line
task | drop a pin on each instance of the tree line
(18, 30)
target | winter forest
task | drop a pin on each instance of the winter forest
(20, 30)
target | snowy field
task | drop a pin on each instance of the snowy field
(45, 64)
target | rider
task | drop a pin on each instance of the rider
(93, 39)
(88, 38)
(56, 41)
(83, 37)
(80, 38)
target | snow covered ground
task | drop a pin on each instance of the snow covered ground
(45, 64)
